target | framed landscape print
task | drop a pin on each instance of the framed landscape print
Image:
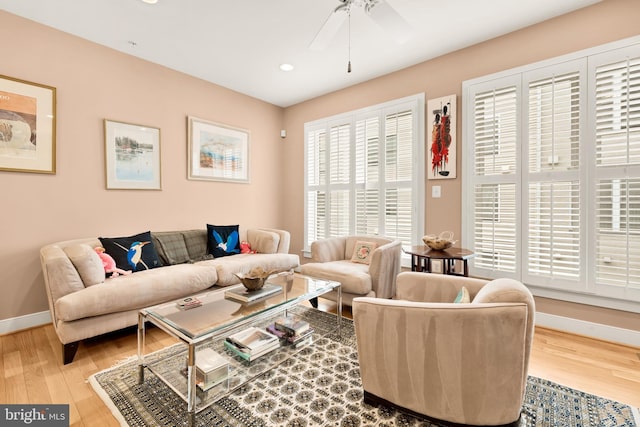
(441, 137)
(132, 156)
(27, 126)
(217, 152)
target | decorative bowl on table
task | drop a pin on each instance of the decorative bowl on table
(440, 242)
(256, 278)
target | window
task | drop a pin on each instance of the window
(365, 173)
(551, 178)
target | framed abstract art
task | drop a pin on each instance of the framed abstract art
(441, 137)
(27, 126)
(217, 152)
(132, 156)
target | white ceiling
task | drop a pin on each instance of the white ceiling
(239, 44)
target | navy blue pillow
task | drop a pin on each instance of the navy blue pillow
(133, 253)
(223, 240)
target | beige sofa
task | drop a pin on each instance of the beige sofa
(332, 260)
(84, 304)
(462, 363)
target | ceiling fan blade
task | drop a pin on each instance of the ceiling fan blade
(329, 29)
(390, 20)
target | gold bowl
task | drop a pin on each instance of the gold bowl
(441, 242)
(255, 279)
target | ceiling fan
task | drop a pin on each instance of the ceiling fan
(379, 11)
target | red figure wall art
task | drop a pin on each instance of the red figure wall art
(442, 137)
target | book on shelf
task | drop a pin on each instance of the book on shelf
(238, 351)
(292, 325)
(253, 340)
(211, 367)
(294, 339)
(242, 294)
(280, 334)
(302, 342)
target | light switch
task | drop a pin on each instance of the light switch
(436, 191)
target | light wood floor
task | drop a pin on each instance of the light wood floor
(33, 372)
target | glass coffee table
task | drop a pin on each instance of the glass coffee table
(213, 321)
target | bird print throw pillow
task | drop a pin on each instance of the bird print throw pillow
(223, 240)
(134, 253)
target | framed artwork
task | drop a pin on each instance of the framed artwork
(27, 126)
(441, 130)
(217, 152)
(132, 156)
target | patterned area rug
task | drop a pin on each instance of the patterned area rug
(320, 386)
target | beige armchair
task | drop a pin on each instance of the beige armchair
(458, 363)
(332, 261)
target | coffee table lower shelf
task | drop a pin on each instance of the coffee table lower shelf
(173, 370)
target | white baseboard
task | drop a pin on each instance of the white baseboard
(590, 329)
(580, 327)
(14, 324)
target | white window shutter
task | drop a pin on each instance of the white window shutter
(362, 173)
(494, 194)
(617, 187)
(553, 253)
(551, 183)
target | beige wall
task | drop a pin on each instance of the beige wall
(604, 22)
(94, 83)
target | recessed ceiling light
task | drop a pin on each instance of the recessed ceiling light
(150, 1)
(286, 67)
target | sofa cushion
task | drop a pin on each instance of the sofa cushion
(463, 296)
(119, 247)
(354, 277)
(61, 276)
(135, 291)
(263, 241)
(362, 251)
(87, 262)
(196, 242)
(171, 247)
(351, 241)
(223, 240)
(243, 263)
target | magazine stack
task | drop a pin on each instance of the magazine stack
(252, 343)
(292, 330)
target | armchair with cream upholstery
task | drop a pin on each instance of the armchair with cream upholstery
(332, 261)
(459, 363)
